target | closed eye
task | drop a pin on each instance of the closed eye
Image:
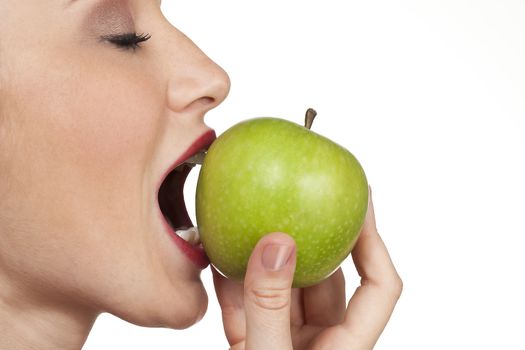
(127, 40)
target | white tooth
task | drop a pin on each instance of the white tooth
(190, 235)
(196, 159)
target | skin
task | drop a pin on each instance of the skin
(87, 130)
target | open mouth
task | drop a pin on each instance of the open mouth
(171, 200)
(172, 206)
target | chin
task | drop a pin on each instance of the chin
(188, 311)
(178, 308)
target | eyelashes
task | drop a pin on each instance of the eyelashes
(127, 41)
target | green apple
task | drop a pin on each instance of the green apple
(271, 175)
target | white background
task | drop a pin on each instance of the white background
(430, 97)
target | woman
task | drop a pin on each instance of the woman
(99, 100)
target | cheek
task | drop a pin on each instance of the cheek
(79, 102)
(105, 122)
(80, 142)
(80, 127)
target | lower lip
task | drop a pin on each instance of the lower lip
(195, 253)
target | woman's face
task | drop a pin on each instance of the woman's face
(88, 131)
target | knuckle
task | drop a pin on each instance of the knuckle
(395, 287)
(390, 287)
(270, 298)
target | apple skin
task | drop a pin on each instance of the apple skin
(268, 175)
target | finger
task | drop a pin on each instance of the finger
(372, 304)
(267, 293)
(297, 309)
(230, 296)
(325, 303)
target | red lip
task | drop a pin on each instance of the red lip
(195, 254)
(203, 142)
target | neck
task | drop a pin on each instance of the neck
(42, 324)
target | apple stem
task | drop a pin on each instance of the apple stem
(309, 118)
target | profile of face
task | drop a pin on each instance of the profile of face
(99, 101)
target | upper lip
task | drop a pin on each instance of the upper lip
(202, 143)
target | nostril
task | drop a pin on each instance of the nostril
(207, 100)
(204, 103)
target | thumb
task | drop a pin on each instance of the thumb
(267, 293)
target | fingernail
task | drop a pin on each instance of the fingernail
(275, 256)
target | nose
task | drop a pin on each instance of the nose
(196, 84)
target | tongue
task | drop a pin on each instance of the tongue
(190, 235)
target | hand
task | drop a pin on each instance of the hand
(266, 313)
